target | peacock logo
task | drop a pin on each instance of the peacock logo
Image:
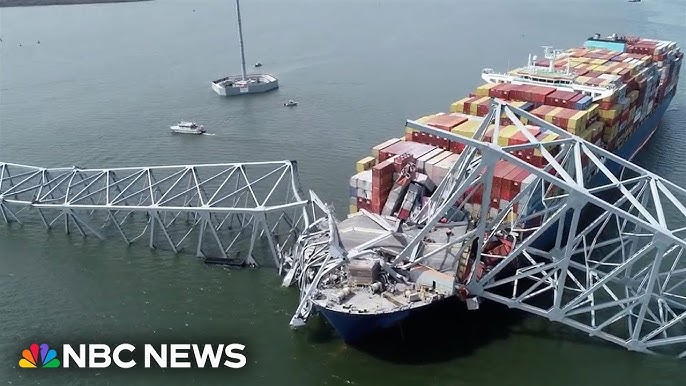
(31, 359)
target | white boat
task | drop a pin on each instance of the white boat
(290, 103)
(184, 127)
(244, 83)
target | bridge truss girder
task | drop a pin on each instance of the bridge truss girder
(604, 256)
(215, 210)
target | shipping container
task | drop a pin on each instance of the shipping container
(611, 113)
(552, 113)
(542, 111)
(577, 122)
(484, 90)
(583, 103)
(470, 107)
(430, 165)
(421, 161)
(365, 164)
(462, 106)
(440, 170)
(561, 98)
(445, 122)
(505, 133)
(467, 129)
(383, 145)
(519, 138)
(538, 94)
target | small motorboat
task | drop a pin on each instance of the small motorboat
(184, 127)
(258, 64)
(290, 103)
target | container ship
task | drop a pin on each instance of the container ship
(611, 92)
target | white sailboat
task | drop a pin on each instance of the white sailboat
(244, 83)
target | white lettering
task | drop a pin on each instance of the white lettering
(176, 356)
(208, 351)
(242, 360)
(160, 358)
(99, 351)
(118, 361)
(69, 353)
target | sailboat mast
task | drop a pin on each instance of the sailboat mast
(240, 39)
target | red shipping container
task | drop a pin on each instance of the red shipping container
(561, 119)
(382, 168)
(508, 91)
(478, 195)
(468, 104)
(538, 161)
(519, 179)
(525, 92)
(508, 195)
(446, 122)
(456, 147)
(519, 138)
(502, 168)
(401, 161)
(537, 94)
(508, 180)
(482, 108)
(499, 91)
(606, 105)
(541, 111)
(625, 115)
(394, 149)
(515, 93)
(561, 98)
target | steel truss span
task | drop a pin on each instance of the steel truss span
(598, 242)
(600, 247)
(214, 210)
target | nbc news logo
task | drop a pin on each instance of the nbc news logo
(98, 355)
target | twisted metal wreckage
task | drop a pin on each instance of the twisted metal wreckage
(617, 275)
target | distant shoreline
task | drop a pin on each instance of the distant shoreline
(32, 3)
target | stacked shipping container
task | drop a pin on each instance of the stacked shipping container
(643, 76)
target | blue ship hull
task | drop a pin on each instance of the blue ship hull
(354, 327)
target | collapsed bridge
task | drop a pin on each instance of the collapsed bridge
(599, 247)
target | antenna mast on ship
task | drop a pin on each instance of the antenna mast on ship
(240, 39)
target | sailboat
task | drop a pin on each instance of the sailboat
(244, 83)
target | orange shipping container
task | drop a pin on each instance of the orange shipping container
(549, 116)
(445, 122)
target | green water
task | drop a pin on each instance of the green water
(106, 81)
